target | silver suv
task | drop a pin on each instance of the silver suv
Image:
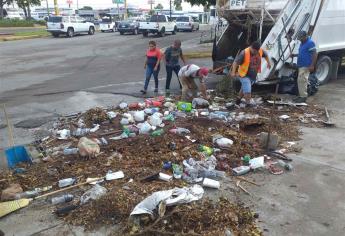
(69, 26)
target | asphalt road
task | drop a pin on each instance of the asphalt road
(52, 66)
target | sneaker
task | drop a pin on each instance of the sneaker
(156, 90)
(299, 100)
(143, 91)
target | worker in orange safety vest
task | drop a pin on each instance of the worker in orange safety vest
(246, 66)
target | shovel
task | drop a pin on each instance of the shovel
(328, 122)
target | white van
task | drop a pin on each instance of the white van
(12, 13)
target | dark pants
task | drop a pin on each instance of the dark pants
(170, 70)
(149, 72)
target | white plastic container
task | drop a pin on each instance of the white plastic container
(165, 177)
(210, 183)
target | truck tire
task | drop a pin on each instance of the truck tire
(70, 32)
(174, 30)
(323, 69)
(55, 35)
(162, 32)
(135, 31)
(145, 33)
(121, 32)
(91, 30)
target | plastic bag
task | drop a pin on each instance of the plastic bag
(144, 128)
(123, 105)
(200, 102)
(111, 114)
(129, 117)
(221, 141)
(139, 116)
(88, 147)
(155, 119)
(94, 193)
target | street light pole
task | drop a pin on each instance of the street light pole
(47, 7)
(125, 9)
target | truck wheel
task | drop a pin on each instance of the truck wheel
(102, 31)
(121, 32)
(55, 35)
(91, 31)
(162, 33)
(135, 31)
(174, 31)
(145, 34)
(70, 32)
(323, 69)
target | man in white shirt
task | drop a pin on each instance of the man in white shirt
(187, 74)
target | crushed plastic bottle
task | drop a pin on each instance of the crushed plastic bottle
(169, 117)
(212, 174)
(177, 171)
(81, 132)
(200, 102)
(180, 130)
(217, 116)
(285, 165)
(62, 199)
(70, 151)
(157, 132)
(66, 182)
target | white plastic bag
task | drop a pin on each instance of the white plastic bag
(144, 128)
(139, 116)
(200, 102)
(94, 193)
(156, 119)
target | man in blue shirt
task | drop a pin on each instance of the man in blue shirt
(306, 61)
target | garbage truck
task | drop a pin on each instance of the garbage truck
(277, 23)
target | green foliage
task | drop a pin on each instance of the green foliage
(19, 23)
(159, 6)
(202, 2)
(25, 3)
(151, 12)
(178, 5)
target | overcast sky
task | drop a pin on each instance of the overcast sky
(99, 4)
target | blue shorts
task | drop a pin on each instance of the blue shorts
(247, 84)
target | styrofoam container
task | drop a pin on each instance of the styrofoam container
(165, 177)
(115, 175)
(210, 183)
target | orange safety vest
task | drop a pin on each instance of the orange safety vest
(243, 69)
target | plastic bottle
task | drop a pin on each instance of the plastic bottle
(66, 182)
(215, 116)
(212, 174)
(179, 130)
(246, 159)
(169, 117)
(207, 150)
(62, 199)
(286, 166)
(157, 132)
(81, 131)
(70, 151)
(184, 106)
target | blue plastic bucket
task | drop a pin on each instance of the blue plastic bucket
(16, 155)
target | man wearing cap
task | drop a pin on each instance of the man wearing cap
(306, 60)
(246, 66)
(187, 76)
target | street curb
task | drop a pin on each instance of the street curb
(15, 38)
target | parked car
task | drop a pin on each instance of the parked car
(108, 23)
(186, 23)
(69, 25)
(128, 26)
(158, 24)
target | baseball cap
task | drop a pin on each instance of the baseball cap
(203, 72)
(302, 34)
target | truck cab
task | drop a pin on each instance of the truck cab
(158, 24)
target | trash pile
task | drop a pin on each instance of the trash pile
(153, 162)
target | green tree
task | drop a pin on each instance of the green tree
(26, 6)
(86, 8)
(2, 4)
(178, 5)
(202, 2)
(159, 6)
(151, 12)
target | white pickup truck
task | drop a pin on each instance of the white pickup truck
(158, 24)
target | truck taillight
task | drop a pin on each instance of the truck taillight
(61, 26)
